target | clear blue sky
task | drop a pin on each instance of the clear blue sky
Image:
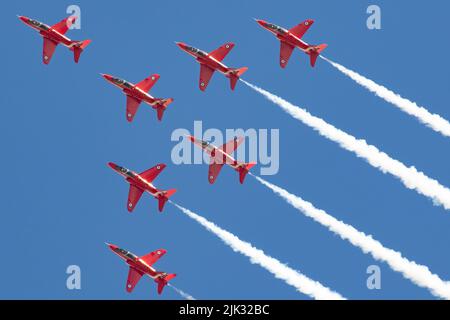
(62, 123)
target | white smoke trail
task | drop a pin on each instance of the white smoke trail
(302, 283)
(434, 121)
(410, 177)
(418, 274)
(181, 292)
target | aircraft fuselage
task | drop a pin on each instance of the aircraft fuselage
(284, 35)
(204, 58)
(47, 32)
(219, 155)
(134, 261)
(136, 180)
(131, 89)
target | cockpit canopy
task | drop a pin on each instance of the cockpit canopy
(196, 51)
(127, 254)
(124, 170)
(276, 28)
(122, 82)
(38, 24)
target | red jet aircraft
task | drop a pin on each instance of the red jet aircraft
(221, 156)
(210, 62)
(140, 266)
(292, 38)
(55, 35)
(136, 93)
(143, 182)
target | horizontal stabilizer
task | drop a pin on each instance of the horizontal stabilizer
(162, 282)
(162, 199)
(244, 169)
(162, 106)
(240, 71)
(315, 52)
(78, 47)
(234, 76)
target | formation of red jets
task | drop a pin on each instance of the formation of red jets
(138, 93)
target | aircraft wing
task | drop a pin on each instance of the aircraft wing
(64, 24)
(214, 170)
(134, 276)
(205, 75)
(300, 29)
(134, 195)
(152, 173)
(148, 82)
(220, 53)
(49, 49)
(232, 145)
(285, 53)
(132, 107)
(154, 256)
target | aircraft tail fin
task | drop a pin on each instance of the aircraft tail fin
(315, 52)
(161, 107)
(163, 197)
(243, 169)
(163, 280)
(78, 47)
(234, 76)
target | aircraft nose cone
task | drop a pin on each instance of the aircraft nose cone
(191, 138)
(111, 246)
(261, 22)
(24, 19)
(181, 45)
(112, 165)
(106, 76)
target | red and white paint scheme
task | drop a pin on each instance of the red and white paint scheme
(292, 38)
(222, 155)
(143, 182)
(140, 266)
(211, 62)
(54, 35)
(137, 93)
